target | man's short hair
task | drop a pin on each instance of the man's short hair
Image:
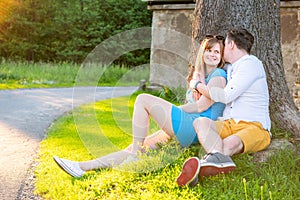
(242, 38)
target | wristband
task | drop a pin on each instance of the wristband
(195, 87)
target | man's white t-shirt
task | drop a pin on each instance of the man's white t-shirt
(246, 94)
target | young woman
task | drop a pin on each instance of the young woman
(173, 120)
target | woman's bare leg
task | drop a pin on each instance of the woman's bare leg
(107, 161)
(147, 106)
(207, 134)
(117, 158)
(159, 137)
(212, 142)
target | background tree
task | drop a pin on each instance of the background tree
(262, 19)
(60, 30)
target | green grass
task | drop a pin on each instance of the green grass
(105, 127)
(14, 75)
(97, 129)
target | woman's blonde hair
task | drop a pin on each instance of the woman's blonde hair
(206, 44)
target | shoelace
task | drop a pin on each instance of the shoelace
(211, 154)
(207, 155)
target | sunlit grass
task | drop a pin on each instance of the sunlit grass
(153, 176)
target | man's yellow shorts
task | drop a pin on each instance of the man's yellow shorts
(252, 134)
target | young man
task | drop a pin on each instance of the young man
(245, 124)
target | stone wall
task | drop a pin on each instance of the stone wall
(170, 47)
(170, 50)
(290, 37)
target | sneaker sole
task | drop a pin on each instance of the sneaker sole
(183, 178)
(210, 170)
(65, 168)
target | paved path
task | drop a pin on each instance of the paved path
(25, 116)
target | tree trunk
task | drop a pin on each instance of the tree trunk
(262, 19)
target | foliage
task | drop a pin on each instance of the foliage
(174, 94)
(47, 30)
(278, 178)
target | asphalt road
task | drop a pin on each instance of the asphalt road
(25, 115)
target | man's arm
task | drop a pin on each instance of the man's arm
(215, 82)
(199, 106)
(246, 74)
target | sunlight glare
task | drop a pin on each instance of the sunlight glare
(6, 8)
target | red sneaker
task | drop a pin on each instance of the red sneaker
(189, 172)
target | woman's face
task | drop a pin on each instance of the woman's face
(212, 57)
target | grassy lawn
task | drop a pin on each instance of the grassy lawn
(97, 129)
(103, 127)
(14, 75)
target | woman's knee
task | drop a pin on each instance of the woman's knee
(201, 122)
(141, 98)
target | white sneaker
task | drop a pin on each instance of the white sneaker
(70, 167)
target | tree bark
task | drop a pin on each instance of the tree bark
(262, 19)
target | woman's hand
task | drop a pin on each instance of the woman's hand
(197, 76)
(202, 78)
(196, 95)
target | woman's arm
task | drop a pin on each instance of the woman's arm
(204, 102)
(197, 77)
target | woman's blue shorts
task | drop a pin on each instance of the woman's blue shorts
(182, 123)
